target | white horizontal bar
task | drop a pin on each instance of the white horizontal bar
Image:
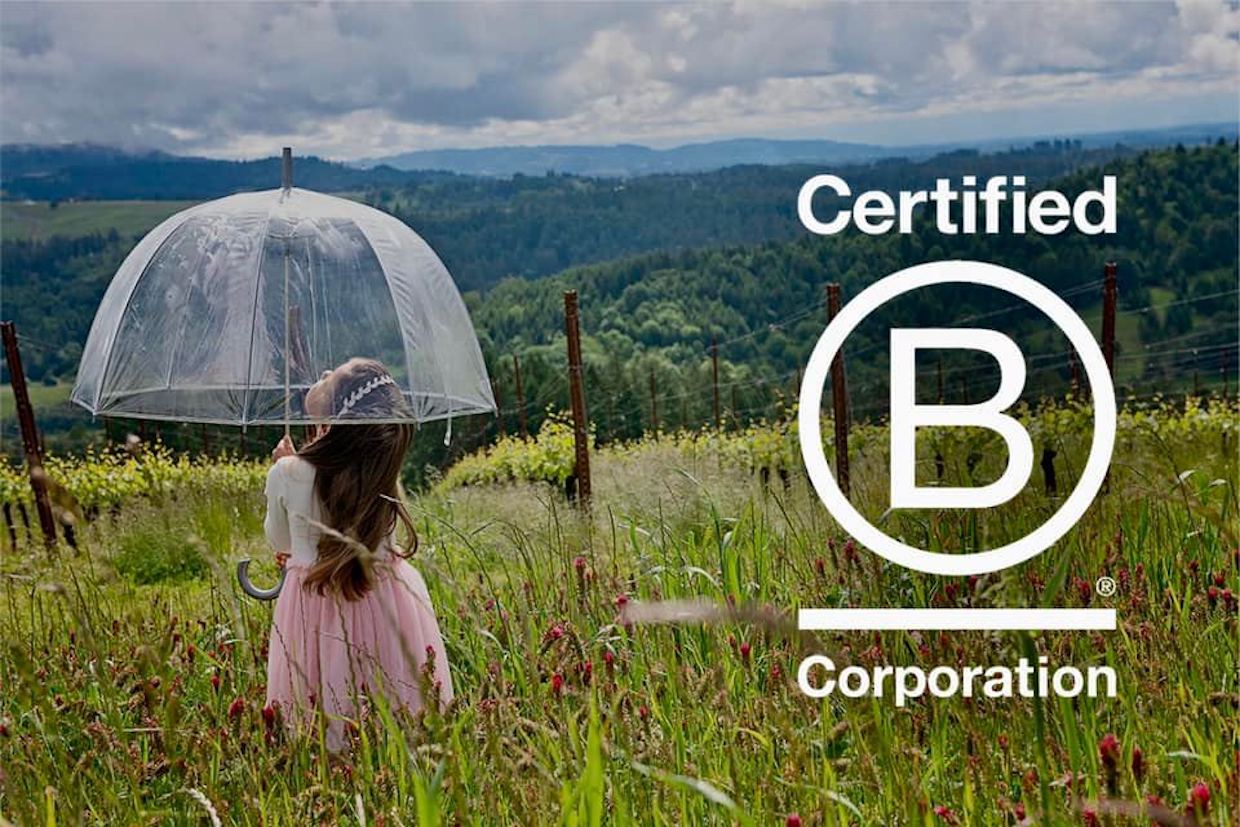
(956, 619)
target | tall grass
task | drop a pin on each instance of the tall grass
(125, 701)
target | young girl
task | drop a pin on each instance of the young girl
(353, 618)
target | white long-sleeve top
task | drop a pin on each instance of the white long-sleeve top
(293, 509)
(293, 512)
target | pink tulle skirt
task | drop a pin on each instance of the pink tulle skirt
(334, 655)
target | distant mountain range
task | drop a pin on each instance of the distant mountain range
(624, 160)
(89, 171)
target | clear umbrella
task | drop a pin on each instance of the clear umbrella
(230, 311)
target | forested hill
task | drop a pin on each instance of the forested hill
(760, 296)
(1176, 250)
(489, 229)
(100, 173)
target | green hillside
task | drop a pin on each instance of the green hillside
(762, 301)
(1176, 251)
(40, 220)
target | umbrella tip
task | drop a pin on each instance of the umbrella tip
(287, 169)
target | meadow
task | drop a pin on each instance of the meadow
(42, 219)
(635, 663)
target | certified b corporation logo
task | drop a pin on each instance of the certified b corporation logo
(907, 416)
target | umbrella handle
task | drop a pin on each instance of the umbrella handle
(243, 578)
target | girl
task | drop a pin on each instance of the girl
(353, 618)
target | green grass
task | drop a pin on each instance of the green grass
(25, 220)
(110, 715)
(41, 396)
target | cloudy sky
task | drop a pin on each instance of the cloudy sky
(365, 80)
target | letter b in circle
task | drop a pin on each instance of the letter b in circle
(907, 416)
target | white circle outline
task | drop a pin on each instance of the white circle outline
(957, 272)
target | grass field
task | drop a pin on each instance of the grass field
(133, 673)
(41, 396)
(38, 219)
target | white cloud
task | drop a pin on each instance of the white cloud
(354, 80)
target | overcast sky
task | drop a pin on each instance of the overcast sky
(351, 81)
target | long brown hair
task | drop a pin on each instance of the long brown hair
(358, 480)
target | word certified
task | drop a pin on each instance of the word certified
(1001, 205)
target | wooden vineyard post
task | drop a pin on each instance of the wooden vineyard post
(839, 399)
(654, 406)
(578, 398)
(940, 377)
(940, 465)
(1110, 288)
(714, 372)
(1109, 293)
(1076, 375)
(516, 370)
(30, 436)
(206, 440)
(735, 415)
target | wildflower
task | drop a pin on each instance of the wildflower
(1084, 590)
(820, 567)
(587, 672)
(946, 815)
(1019, 811)
(236, 708)
(1090, 817)
(1219, 579)
(609, 660)
(793, 820)
(555, 632)
(1108, 750)
(4, 727)
(579, 563)
(643, 712)
(269, 716)
(1138, 764)
(1199, 800)
(1212, 596)
(622, 600)
(215, 681)
(1230, 601)
(1003, 741)
(745, 649)
(557, 683)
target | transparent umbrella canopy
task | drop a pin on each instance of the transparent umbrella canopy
(229, 311)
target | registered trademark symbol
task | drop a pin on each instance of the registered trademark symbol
(1106, 586)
